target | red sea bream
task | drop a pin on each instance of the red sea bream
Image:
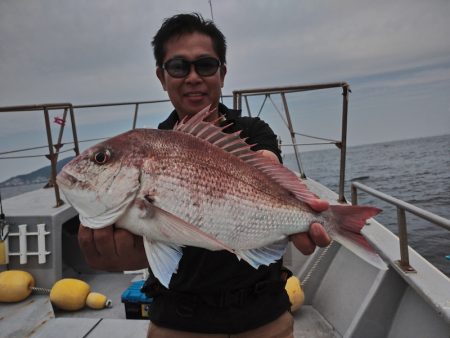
(198, 186)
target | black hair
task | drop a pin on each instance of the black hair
(180, 24)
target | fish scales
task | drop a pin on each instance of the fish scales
(244, 206)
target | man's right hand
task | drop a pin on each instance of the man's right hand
(112, 249)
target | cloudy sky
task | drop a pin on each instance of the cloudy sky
(395, 55)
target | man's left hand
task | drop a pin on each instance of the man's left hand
(306, 242)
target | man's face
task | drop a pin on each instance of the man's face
(191, 93)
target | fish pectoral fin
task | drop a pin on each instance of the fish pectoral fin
(145, 205)
(176, 230)
(163, 259)
(265, 255)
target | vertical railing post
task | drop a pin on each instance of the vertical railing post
(5, 239)
(135, 115)
(74, 131)
(58, 144)
(354, 193)
(293, 139)
(52, 157)
(237, 100)
(248, 106)
(343, 145)
(403, 238)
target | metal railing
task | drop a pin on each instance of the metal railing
(53, 148)
(135, 104)
(238, 95)
(402, 207)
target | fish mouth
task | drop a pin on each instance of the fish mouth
(66, 179)
(94, 211)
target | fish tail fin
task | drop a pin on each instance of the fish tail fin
(349, 221)
(352, 218)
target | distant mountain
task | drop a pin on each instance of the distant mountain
(38, 176)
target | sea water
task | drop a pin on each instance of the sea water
(416, 171)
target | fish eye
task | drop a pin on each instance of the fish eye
(102, 156)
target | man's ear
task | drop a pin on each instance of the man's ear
(223, 72)
(160, 75)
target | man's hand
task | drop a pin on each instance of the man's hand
(112, 249)
(306, 242)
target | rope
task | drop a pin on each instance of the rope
(317, 137)
(315, 265)
(42, 155)
(40, 291)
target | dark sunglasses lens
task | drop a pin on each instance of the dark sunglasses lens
(206, 66)
(177, 67)
(181, 68)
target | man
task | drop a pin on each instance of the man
(213, 294)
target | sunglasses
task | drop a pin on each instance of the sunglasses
(179, 67)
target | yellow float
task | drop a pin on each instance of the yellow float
(68, 294)
(295, 293)
(15, 285)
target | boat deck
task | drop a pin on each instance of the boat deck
(36, 318)
(344, 296)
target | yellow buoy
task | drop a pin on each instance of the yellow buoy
(4, 259)
(69, 294)
(15, 285)
(97, 301)
(295, 293)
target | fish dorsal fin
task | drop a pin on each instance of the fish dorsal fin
(199, 126)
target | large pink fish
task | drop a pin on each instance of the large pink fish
(198, 186)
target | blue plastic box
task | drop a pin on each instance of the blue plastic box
(136, 302)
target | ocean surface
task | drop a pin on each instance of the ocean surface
(416, 171)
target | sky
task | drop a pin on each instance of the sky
(394, 54)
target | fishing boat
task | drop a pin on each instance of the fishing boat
(344, 295)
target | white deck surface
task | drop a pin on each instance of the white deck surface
(41, 202)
